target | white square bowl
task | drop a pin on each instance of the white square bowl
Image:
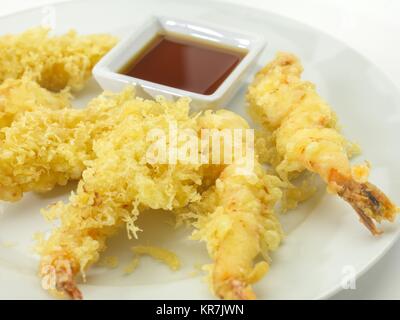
(106, 71)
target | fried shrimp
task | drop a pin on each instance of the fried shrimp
(47, 147)
(116, 186)
(304, 134)
(235, 216)
(122, 179)
(221, 124)
(238, 225)
(18, 96)
(55, 62)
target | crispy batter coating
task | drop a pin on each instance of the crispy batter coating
(161, 254)
(305, 136)
(117, 184)
(18, 96)
(238, 224)
(55, 62)
(47, 147)
(220, 121)
(235, 216)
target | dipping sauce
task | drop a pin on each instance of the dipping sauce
(183, 63)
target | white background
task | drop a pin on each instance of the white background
(370, 26)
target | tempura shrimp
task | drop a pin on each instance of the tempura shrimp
(306, 136)
(55, 62)
(18, 96)
(116, 185)
(235, 215)
(238, 225)
(47, 147)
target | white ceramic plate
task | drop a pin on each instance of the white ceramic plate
(325, 244)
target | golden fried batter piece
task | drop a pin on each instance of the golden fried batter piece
(46, 147)
(238, 224)
(55, 62)
(117, 184)
(305, 136)
(18, 96)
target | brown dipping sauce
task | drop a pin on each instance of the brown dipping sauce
(184, 63)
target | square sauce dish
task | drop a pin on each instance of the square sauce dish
(175, 58)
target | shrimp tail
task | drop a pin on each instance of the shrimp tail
(64, 281)
(234, 289)
(70, 288)
(370, 203)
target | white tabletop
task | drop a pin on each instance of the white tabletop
(370, 26)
